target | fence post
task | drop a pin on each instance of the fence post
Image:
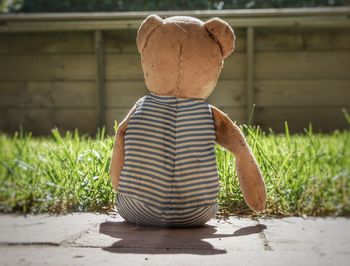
(250, 75)
(100, 79)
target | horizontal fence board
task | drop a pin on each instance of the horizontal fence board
(43, 43)
(323, 119)
(301, 39)
(122, 94)
(116, 47)
(41, 121)
(120, 41)
(69, 23)
(53, 26)
(241, 40)
(81, 67)
(237, 114)
(230, 93)
(287, 93)
(302, 65)
(301, 21)
(47, 67)
(124, 41)
(47, 94)
(123, 66)
(312, 12)
(128, 66)
(116, 115)
(234, 67)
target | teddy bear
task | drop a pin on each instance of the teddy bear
(163, 164)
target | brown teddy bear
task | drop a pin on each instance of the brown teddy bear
(163, 163)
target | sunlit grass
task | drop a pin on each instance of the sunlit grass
(305, 174)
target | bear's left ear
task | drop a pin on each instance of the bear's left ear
(223, 34)
(148, 26)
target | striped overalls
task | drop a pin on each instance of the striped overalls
(169, 177)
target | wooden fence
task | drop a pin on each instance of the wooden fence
(83, 70)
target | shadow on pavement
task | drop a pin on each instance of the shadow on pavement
(154, 240)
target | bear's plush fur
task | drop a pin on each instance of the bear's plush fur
(183, 57)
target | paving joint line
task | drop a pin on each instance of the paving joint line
(264, 239)
(70, 241)
(50, 244)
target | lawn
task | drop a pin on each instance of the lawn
(305, 174)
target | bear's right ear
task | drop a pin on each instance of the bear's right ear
(223, 34)
(148, 26)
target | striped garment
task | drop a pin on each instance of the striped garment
(169, 177)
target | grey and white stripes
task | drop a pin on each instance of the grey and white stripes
(170, 164)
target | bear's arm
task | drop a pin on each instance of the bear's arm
(229, 136)
(118, 150)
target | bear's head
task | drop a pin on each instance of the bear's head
(183, 56)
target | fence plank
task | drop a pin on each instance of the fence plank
(234, 67)
(47, 67)
(322, 118)
(123, 94)
(103, 23)
(283, 93)
(41, 121)
(121, 41)
(237, 114)
(291, 13)
(302, 65)
(115, 115)
(47, 94)
(124, 41)
(302, 39)
(43, 43)
(118, 114)
(230, 93)
(123, 66)
(128, 66)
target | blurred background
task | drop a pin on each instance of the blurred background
(142, 5)
(74, 64)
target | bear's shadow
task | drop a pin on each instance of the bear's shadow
(154, 240)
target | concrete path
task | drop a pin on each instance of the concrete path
(91, 239)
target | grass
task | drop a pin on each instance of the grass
(305, 174)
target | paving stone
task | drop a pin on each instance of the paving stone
(45, 228)
(216, 236)
(318, 235)
(90, 239)
(37, 256)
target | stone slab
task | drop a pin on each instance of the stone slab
(216, 237)
(91, 239)
(34, 255)
(46, 229)
(316, 235)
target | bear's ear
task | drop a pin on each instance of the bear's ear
(223, 34)
(148, 26)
